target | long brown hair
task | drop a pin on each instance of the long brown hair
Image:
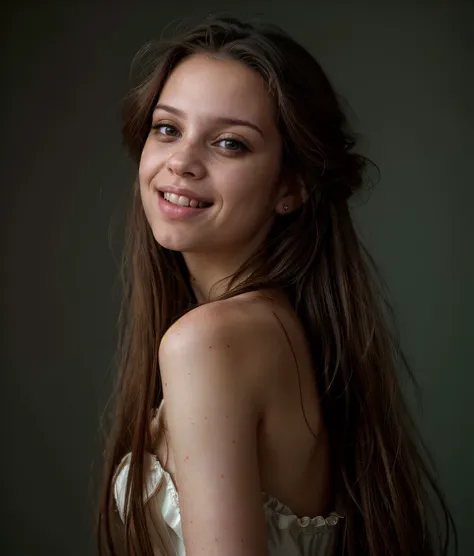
(384, 477)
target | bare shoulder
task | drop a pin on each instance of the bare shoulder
(211, 361)
(240, 317)
(241, 330)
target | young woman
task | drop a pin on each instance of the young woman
(254, 322)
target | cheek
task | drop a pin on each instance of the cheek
(146, 172)
(253, 185)
(149, 164)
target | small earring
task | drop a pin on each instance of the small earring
(285, 207)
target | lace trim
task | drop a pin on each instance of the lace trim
(157, 470)
(286, 518)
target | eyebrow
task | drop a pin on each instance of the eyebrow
(221, 119)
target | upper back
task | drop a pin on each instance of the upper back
(293, 446)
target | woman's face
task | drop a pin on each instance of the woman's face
(213, 145)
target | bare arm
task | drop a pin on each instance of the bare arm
(212, 410)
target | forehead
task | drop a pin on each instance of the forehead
(207, 86)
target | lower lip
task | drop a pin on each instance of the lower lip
(176, 212)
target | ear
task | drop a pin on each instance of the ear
(291, 197)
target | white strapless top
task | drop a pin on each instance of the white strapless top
(287, 534)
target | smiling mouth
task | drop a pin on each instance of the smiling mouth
(182, 201)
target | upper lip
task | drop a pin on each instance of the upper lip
(184, 192)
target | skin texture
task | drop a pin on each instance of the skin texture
(213, 365)
(216, 358)
(197, 151)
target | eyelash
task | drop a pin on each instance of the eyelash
(242, 146)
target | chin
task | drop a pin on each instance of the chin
(172, 242)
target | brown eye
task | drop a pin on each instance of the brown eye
(165, 129)
(233, 145)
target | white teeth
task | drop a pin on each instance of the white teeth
(183, 201)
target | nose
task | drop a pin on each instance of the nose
(186, 163)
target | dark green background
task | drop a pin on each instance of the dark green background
(406, 69)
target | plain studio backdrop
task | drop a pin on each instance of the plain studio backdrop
(406, 69)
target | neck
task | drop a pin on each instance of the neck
(210, 273)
